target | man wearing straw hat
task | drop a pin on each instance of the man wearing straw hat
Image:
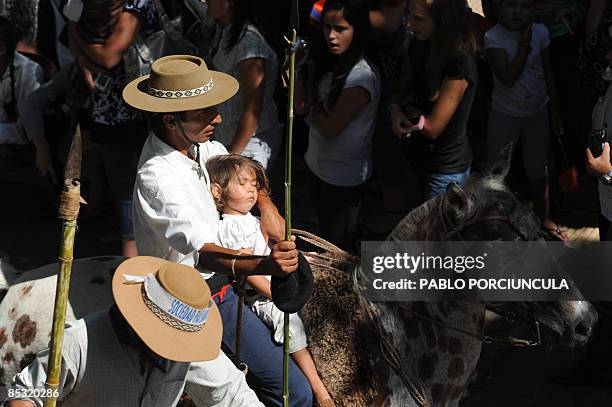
(175, 216)
(138, 353)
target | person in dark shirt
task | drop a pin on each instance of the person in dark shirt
(441, 81)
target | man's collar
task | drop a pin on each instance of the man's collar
(172, 153)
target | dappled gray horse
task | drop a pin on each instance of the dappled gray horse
(416, 353)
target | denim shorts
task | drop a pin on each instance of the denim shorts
(435, 184)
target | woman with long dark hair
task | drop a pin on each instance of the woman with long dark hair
(250, 120)
(441, 79)
(342, 121)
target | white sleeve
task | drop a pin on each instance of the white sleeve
(34, 375)
(540, 31)
(491, 40)
(34, 105)
(363, 76)
(217, 383)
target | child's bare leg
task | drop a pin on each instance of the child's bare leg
(303, 359)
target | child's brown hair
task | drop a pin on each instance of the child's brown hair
(222, 168)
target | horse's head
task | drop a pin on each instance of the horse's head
(486, 210)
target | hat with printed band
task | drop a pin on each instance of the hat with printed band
(179, 83)
(170, 308)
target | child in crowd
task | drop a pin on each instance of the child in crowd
(441, 79)
(235, 183)
(518, 53)
(342, 121)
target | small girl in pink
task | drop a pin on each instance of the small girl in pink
(235, 182)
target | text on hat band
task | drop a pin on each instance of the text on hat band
(169, 309)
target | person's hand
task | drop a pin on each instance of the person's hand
(284, 258)
(235, 150)
(400, 123)
(245, 251)
(600, 165)
(43, 160)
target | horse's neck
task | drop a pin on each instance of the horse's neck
(437, 359)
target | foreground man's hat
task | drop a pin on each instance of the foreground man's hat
(170, 307)
(179, 83)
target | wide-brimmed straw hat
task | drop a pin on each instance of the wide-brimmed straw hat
(170, 308)
(178, 83)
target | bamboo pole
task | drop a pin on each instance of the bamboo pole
(70, 200)
(288, 155)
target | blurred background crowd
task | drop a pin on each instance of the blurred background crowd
(394, 99)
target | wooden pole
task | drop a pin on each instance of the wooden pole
(288, 155)
(70, 200)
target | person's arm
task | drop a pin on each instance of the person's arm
(33, 107)
(217, 383)
(20, 403)
(399, 121)
(261, 285)
(109, 54)
(508, 72)
(451, 93)
(350, 102)
(252, 87)
(272, 223)
(551, 86)
(34, 375)
(281, 261)
(304, 84)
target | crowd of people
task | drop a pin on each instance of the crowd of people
(181, 103)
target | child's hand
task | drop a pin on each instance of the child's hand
(400, 123)
(245, 251)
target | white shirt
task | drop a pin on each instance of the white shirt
(529, 95)
(242, 232)
(346, 160)
(28, 77)
(173, 210)
(98, 370)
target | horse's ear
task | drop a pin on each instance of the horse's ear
(501, 166)
(457, 203)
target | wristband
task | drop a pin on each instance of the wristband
(419, 125)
